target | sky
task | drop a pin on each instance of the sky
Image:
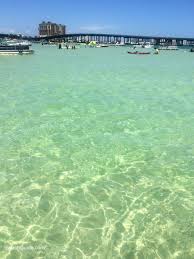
(133, 17)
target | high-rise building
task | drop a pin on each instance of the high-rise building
(51, 29)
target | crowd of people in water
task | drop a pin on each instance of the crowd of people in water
(67, 46)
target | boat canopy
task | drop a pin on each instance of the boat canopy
(92, 43)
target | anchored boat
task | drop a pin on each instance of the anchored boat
(102, 46)
(169, 48)
(7, 48)
(138, 53)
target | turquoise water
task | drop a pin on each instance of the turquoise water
(97, 154)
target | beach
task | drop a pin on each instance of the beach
(97, 154)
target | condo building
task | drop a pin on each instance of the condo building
(51, 29)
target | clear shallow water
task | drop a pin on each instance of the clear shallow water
(97, 155)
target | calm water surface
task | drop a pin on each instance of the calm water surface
(97, 155)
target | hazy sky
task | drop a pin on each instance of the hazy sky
(147, 17)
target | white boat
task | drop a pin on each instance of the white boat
(147, 46)
(137, 46)
(102, 46)
(168, 48)
(7, 48)
(120, 44)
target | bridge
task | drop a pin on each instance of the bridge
(109, 38)
(126, 39)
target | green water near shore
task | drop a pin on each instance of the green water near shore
(97, 154)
